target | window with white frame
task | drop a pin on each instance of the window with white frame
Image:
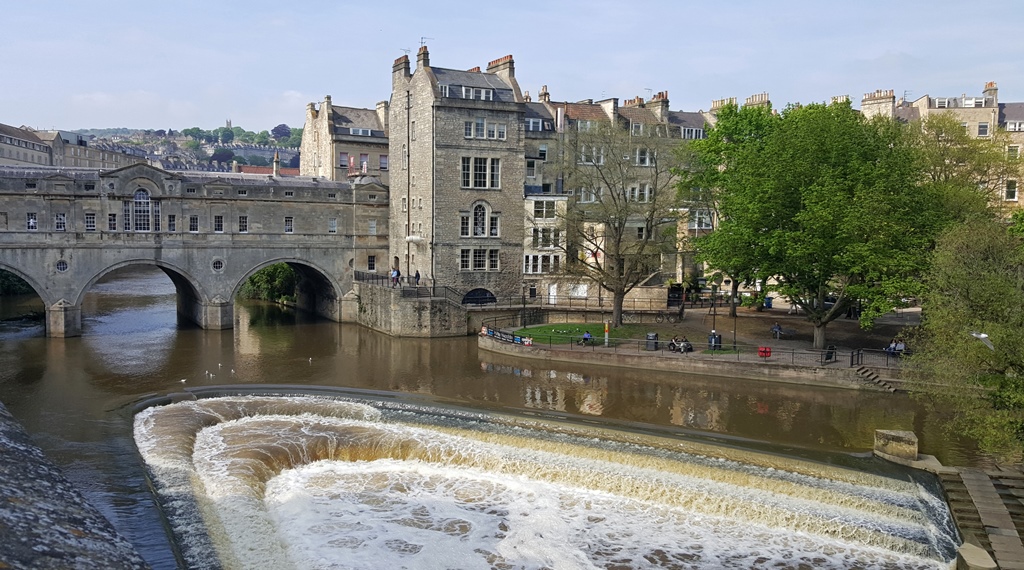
(142, 211)
(640, 193)
(588, 195)
(700, 220)
(360, 131)
(1015, 126)
(383, 162)
(405, 204)
(90, 222)
(32, 223)
(643, 157)
(478, 93)
(218, 224)
(584, 126)
(60, 222)
(533, 264)
(546, 238)
(543, 209)
(464, 259)
(480, 172)
(531, 169)
(371, 227)
(590, 154)
(193, 224)
(443, 90)
(481, 128)
(641, 232)
(492, 260)
(112, 222)
(982, 129)
(690, 133)
(534, 124)
(1011, 190)
(637, 129)
(332, 225)
(941, 102)
(371, 260)
(479, 221)
(289, 224)
(542, 153)
(1013, 151)
(464, 225)
(243, 224)
(172, 223)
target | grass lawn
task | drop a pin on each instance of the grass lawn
(565, 333)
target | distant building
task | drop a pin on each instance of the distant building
(76, 151)
(23, 147)
(341, 141)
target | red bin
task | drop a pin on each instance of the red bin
(764, 351)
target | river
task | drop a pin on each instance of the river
(74, 395)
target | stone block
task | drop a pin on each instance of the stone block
(972, 557)
(896, 443)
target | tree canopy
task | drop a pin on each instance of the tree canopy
(969, 352)
(281, 132)
(829, 206)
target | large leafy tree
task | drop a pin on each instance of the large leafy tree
(826, 203)
(625, 208)
(711, 164)
(969, 352)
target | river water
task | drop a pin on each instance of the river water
(75, 395)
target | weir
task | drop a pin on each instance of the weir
(297, 481)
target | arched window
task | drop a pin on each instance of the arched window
(142, 211)
(479, 221)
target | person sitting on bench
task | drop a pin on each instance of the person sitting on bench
(776, 330)
(586, 338)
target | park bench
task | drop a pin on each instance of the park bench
(778, 334)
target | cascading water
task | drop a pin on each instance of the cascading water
(304, 482)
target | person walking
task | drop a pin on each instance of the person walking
(417, 277)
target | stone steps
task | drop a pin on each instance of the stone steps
(871, 376)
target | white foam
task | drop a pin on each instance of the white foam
(351, 489)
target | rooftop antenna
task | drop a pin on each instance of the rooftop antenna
(649, 91)
(906, 96)
(406, 50)
(423, 40)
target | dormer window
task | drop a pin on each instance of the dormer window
(478, 94)
(533, 124)
(360, 132)
(637, 129)
(941, 102)
(443, 90)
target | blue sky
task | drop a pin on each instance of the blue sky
(184, 63)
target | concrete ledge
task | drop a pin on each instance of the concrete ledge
(972, 557)
(44, 521)
(770, 372)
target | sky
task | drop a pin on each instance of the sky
(69, 64)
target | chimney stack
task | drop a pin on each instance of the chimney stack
(277, 164)
(543, 96)
(422, 58)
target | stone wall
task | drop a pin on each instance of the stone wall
(384, 309)
(45, 522)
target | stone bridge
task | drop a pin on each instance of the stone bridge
(61, 230)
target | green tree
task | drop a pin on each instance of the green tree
(272, 283)
(225, 135)
(975, 287)
(194, 133)
(222, 155)
(262, 138)
(713, 164)
(281, 132)
(829, 205)
(11, 284)
(239, 159)
(625, 211)
(295, 140)
(257, 160)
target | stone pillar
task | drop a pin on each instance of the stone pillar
(63, 319)
(218, 314)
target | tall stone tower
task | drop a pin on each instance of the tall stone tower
(457, 177)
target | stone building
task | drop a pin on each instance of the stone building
(22, 147)
(341, 141)
(75, 151)
(457, 186)
(981, 116)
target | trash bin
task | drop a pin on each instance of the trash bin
(652, 341)
(711, 340)
(767, 302)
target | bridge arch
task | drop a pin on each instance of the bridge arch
(32, 282)
(192, 297)
(318, 291)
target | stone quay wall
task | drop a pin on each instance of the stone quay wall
(45, 522)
